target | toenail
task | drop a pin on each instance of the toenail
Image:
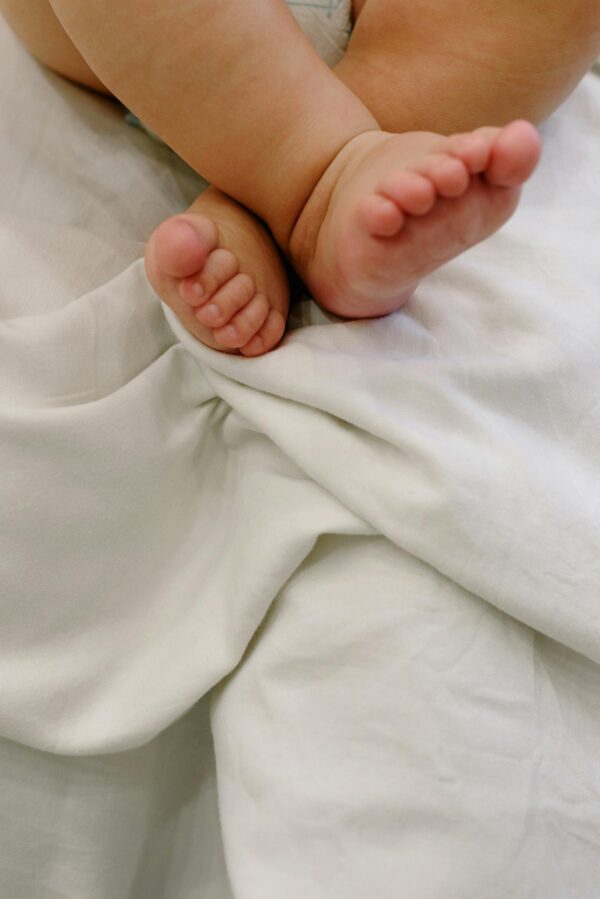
(230, 331)
(198, 289)
(211, 311)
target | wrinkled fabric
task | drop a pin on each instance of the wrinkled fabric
(371, 556)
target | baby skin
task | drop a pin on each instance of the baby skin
(390, 209)
(364, 178)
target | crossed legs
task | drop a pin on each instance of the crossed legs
(362, 213)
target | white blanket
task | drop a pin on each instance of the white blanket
(374, 553)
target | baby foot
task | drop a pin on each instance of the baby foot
(391, 208)
(218, 269)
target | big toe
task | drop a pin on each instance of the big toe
(514, 155)
(179, 247)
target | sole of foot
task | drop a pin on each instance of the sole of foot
(218, 269)
(392, 208)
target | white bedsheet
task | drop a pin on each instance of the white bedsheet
(372, 556)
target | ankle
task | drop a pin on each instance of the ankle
(305, 182)
(303, 236)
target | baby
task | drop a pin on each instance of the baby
(365, 177)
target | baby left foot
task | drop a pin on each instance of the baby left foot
(219, 270)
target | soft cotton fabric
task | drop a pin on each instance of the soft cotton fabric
(365, 566)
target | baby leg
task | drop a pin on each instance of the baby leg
(217, 247)
(454, 65)
(235, 88)
(240, 93)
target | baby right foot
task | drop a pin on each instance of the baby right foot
(218, 269)
(392, 208)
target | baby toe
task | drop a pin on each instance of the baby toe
(472, 148)
(380, 216)
(448, 174)
(244, 324)
(514, 154)
(181, 244)
(412, 191)
(226, 301)
(221, 265)
(267, 337)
